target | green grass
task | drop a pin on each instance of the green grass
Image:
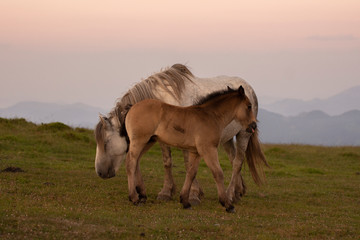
(310, 193)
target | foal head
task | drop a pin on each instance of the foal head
(111, 147)
(244, 112)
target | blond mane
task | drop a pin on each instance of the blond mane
(172, 80)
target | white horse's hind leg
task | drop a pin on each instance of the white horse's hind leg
(169, 188)
(237, 187)
(195, 191)
(230, 150)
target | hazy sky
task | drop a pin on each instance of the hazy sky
(92, 51)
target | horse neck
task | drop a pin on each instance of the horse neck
(223, 109)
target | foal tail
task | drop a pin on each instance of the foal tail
(255, 158)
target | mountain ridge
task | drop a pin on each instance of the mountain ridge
(342, 102)
(313, 128)
(75, 115)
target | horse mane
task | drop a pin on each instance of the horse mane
(171, 80)
(123, 132)
(213, 95)
(99, 133)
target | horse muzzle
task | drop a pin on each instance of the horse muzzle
(106, 174)
(252, 127)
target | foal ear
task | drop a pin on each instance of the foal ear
(241, 91)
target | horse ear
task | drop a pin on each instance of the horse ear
(241, 91)
(229, 88)
(103, 119)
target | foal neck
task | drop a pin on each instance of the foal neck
(223, 108)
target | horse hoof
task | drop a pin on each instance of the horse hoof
(135, 201)
(187, 206)
(163, 197)
(194, 201)
(236, 198)
(142, 199)
(230, 209)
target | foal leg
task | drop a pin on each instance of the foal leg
(135, 182)
(193, 164)
(195, 191)
(169, 187)
(212, 161)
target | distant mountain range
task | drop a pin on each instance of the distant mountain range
(314, 128)
(75, 115)
(343, 102)
(334, 121)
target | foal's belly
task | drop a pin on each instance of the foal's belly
(177, 142)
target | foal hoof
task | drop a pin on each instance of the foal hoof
(163, 197)
(142, 199)
(194, 201)
(230, 209)
(187, 206)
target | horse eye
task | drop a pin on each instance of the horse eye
(249, 107)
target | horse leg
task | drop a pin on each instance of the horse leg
(135, 182)
(193, 164)
(230, 150)
(237, 187)
(212, 161)
(169, 187)
(140, 186)
(195, 191)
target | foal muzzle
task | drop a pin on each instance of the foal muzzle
(252, 127)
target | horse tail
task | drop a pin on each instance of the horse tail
(122, 116)
(256, 158)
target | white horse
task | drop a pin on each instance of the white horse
(178, 86)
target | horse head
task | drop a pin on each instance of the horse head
(111, 147)
(245, 114)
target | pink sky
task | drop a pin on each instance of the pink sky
(284, 48)
(189, 25)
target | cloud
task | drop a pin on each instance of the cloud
(344, 37)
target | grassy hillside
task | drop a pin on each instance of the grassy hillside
(49, 189)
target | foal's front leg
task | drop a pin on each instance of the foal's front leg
(212, 161)
(135, 182)
(131, 165)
